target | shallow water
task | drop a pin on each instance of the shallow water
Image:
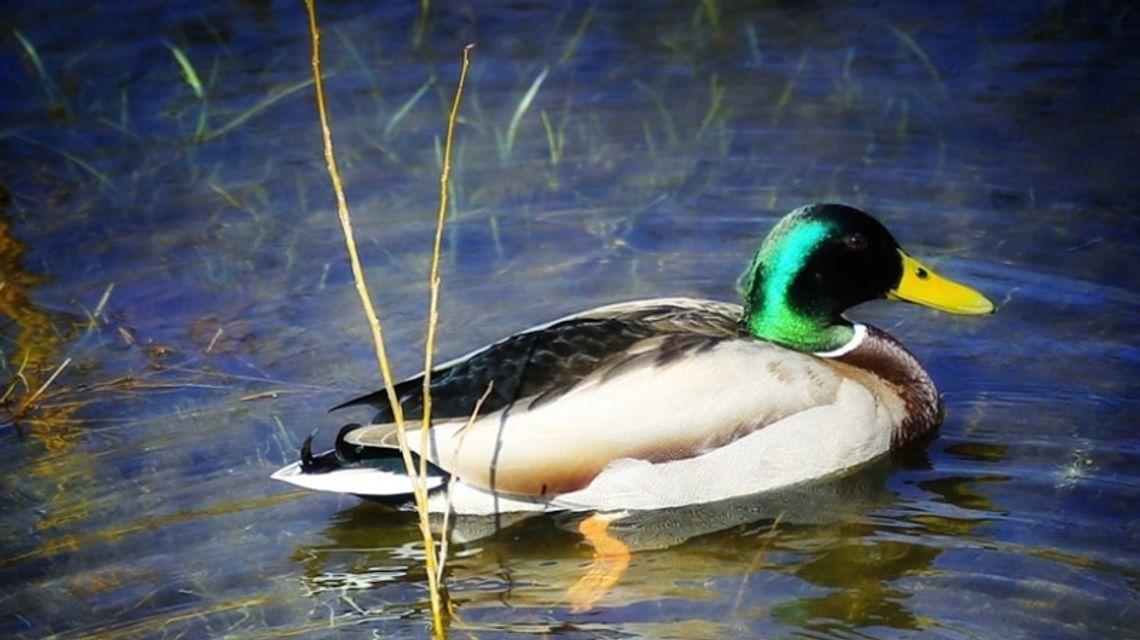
(999, 144)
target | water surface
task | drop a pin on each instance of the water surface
(181, 253)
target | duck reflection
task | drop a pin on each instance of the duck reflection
(844, 542)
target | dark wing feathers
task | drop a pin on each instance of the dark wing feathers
(520, 366)
(545, 363)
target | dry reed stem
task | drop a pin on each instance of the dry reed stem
(441, 216)
(434, 563)
(17, 378)
(756, 559)
(29, 400)
(417, 476)
(444, 538)
(101, 306)
(47, 383)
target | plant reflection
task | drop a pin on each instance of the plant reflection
(831, 537)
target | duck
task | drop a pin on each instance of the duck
(669, 402)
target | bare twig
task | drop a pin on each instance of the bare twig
(29, 400)
(756, 559)
(101, 306)
(214, 340)
(433, 565)
(433, 308)
(444, 538)
(417, 475)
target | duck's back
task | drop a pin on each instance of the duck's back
(655, 381)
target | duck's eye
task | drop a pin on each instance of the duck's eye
(856, 242)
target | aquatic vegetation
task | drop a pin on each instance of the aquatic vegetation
(507, 142)
(188, 72)
(56, 100)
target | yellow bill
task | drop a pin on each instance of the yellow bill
(919, 284)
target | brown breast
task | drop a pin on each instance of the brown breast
(886, 359)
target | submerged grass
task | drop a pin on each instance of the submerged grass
(189, 74)
(72, 158)
(507, 143)
(405, 108)
(54, 96)
(575, 39)
(789, 90)
(261, 106)
(920, 53)
(716, 105)
(555, 139)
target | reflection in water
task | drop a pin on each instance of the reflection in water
(858, 572)
(964, 491)
(32, 347)
(817, 535)
(33, 356)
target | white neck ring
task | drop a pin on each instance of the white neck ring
(851, 345)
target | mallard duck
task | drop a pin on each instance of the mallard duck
(671, 401)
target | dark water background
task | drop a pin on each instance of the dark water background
(999, 141)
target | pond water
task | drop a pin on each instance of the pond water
(175, 249)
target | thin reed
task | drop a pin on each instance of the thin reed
(418, 475)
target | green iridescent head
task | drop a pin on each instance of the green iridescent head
(823, 259)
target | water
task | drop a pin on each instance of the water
(999, 144)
